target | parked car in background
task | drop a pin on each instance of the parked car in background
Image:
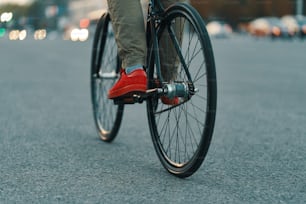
(219, 29)
(301, 21)
(269, 26)
(259, 27)
(291, 23)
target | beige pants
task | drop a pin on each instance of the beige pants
(128, 23)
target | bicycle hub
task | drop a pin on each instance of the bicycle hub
(184, 90)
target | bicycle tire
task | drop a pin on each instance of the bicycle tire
(181, 136)
(105, 66)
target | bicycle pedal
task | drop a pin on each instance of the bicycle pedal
(119, 101)
(154, 91)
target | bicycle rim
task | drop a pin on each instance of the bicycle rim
(182, 135)
(104, 73)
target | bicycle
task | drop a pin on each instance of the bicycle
(181, 133)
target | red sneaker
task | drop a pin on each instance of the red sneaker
(127, 84)
(168, 101)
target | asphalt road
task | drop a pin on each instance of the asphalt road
(50, 152)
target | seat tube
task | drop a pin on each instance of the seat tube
(152, 35)
(154, 39)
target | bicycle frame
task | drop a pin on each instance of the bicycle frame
(153, 20)
(155, 12)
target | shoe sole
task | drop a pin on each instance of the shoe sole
(128, 91)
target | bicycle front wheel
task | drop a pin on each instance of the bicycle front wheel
(104, 73)
(182, 133)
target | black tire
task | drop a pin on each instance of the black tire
(104, 73)
(181, 135)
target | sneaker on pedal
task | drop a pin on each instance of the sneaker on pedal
(128, 84)
(170, 101)
(164, 99)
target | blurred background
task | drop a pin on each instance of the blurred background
(49, 149)
(75, 19)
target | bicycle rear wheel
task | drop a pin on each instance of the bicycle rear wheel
(181, 134)
(104, 73)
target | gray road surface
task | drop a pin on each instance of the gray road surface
(50, 153)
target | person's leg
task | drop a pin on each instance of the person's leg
(168, 57)
(128, 24)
